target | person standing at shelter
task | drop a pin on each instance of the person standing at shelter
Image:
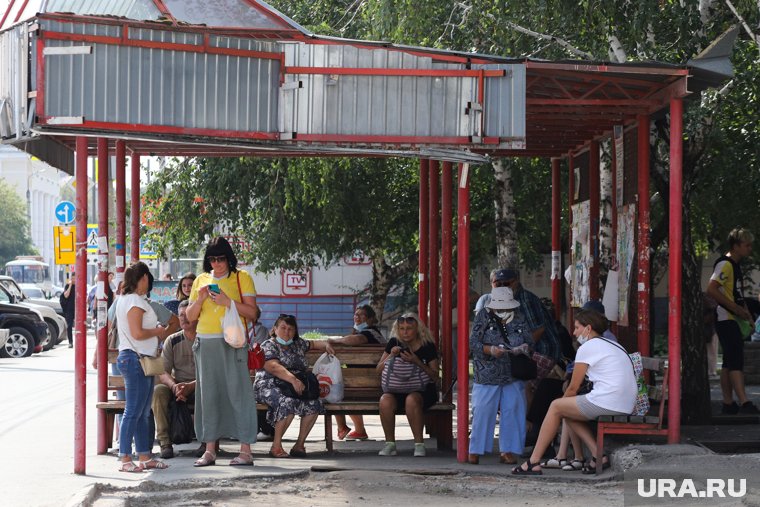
(725, 287)
(179, 380)
(68, 305)
(224, 402)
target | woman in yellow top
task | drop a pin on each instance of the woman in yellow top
(224, 401)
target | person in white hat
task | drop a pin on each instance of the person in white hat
(498, 331)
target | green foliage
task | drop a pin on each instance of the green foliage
(14, 225)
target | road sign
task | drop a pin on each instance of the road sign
(64, 240)
(92, 238)
(65, 212)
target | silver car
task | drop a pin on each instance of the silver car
(11, 293)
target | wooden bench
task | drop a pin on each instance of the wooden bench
(638, 424)
(362, 393)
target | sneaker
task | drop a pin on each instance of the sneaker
(419, 450)
(167, 451)
(263, 437)
(388, 450)
(731, 409)
(355, 435)
(748, 408)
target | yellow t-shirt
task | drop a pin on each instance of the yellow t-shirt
(210, 319)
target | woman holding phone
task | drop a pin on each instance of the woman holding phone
(224, 401)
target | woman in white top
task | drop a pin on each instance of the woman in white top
(611, 371)
(139, 335)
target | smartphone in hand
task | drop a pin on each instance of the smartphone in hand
(213, 287)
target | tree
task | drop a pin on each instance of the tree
(14, 225)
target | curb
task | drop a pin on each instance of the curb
(85, 497)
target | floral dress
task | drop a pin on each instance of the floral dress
(293, 358)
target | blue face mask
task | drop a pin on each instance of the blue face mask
(283, 342)
(360, 327)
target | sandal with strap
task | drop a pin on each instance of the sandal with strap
(245, 459)
(531, 470)
(343, 432)
(573, 466)
(154, 464)
(554, 463)
(130, 467)
(591, 469)
(298, 453)
(206, 460)
(278, 453)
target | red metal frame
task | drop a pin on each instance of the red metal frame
(80, 301)
(134, 235)
(570, 202)
(374, 139)
(446, 275)
(20, 11)
(40, 99)
(675, 260)
(433, 262)
(164, 129)
(642, 243)
(164, 10)
(366, 71)
(556, 246)
(121, 211)
(7, 12)
(463, 313)
(423, 280)
(594, 197)
(102, 332)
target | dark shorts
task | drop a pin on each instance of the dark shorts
(731, 341)
(429, 398)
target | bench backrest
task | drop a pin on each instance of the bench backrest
(361, 380)
(658, 392)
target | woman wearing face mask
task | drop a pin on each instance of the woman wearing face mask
(614, 393)
(364, 332)
(498, 330)
(284, 354)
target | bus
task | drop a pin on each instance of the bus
(30, 269)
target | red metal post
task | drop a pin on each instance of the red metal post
(642, 244)
(101, 300)
(614, 216)
(134, 234)
(121, 211)
(422, 290)
(80, 315)
(463, 312)
(446, 275)
(675, 243)
(433, 263)
(570, 202)
(556, 248)
(594, 197)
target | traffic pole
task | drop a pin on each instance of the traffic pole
(100, 291)
(463, 312)
(80, 314)
(134, 235)
(422, 289)
(556, 276)
(447, 283)
(642, 243)
(121, 212)
(433, 263)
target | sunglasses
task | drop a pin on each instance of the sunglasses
(217, 258)
(286, 316)
(406, 320)
(503, 283)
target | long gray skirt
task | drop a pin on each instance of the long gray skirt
(224, 402)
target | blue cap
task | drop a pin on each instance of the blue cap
(504, 275)
(594, 305)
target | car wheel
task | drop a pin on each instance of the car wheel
(20, 343)
(52, 337)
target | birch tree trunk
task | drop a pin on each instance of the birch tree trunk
(605, 205)
(505, 213)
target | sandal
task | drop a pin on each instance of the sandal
(591, 469)
(278, 453)
(298, 453)
(129, 466)
(355, 435)
(343, 432)
(573, 466)
(508, 458)
(242, 461)
(531, 470)
(154, 464)
(554, 463)
(473, 459)
(205, 461)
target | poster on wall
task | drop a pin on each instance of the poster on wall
(619, 165)
(626, 252)
(581, 254)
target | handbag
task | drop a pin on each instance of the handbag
(255, 357)
(152, 366)
(401, 377)
(180, 422)
(523, 367)
(310, 382)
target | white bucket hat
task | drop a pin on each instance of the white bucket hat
(502, 299)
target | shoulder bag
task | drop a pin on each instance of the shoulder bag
(152, 366)
(402, 377)
(310, 382)
(642, 392)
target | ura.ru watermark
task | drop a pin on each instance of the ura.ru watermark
(687, 488)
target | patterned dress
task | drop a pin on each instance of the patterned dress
(293, 358)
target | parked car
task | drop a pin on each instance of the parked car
(23, 294)
(56, 324)
(27, 330)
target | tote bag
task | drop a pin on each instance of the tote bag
(401, 377)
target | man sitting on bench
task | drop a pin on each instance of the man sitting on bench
(178, 382)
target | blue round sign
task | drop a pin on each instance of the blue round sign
(65, 212)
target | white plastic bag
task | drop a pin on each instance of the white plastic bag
(232, 327)
(328, 372)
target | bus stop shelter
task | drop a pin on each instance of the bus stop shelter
(238, 78)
